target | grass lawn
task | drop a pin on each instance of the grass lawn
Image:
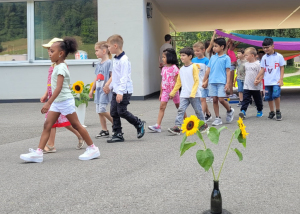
(290, 69)
(292, 81)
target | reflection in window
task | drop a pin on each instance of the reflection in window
(76, 18)
(13, 31)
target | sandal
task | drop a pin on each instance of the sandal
(80, 143)
(51, 149)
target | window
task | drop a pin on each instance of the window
(13, 31)
(75, 18)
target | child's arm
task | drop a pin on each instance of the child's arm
(280, 82)
(235, 45)
(93, 88)
(211, 42)
(205, 79)
(196, 81)
(259, 76)
(44, 97)
(228, 79)
(60, 80)
(176, 87)
(160, 91)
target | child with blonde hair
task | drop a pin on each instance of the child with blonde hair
(103, 79)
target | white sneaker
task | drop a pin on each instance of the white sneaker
(32, 156)
(234, 96)
(218, 121)
(154, 128)
(90, 153)
(207, 99)
(230, 115)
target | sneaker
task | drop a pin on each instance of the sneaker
(141, 129)
(271, 115)
(174, 130)
(102, 134)
(242, 114)
(208, 117)
(278, 115)
(230, 115)
(207, 99)
(259, 114)
(155, 128)
(33, 156)
(211, 99)
(239, 104)
(203, 128)
(90, 153)
(234, 96)
(117, 137)
(218, 121)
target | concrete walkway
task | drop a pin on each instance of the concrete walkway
(292, 74)
(148, 175)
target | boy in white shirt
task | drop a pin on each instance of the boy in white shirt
(272, 70)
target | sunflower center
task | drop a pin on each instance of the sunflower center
(77, 87)
(190, 125)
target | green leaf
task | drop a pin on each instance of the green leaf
(205, 158)
(200, 135)
(237, 133)
(222, 128)
(186, 147)
(213, 135)
(183, 141)
(239, 154)
(201, 123)
(242, 140)
(77, 102)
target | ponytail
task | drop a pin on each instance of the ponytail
(103, 45)
(69, 45)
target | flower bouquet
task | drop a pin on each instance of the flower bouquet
(205, 156)
(81, 93)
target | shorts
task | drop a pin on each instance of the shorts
(272, 92)
(101, 108)
(204, 92)
(216, 90)
(232, 67)
(165, 97)
(65, 107)
(240, 85)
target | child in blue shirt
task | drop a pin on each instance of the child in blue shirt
(201, 61)
(218, 75)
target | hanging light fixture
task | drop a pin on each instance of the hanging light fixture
(289, 15)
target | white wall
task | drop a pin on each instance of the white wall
(154, 30)
(30, 82)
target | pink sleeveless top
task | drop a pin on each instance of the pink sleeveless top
(232, 56)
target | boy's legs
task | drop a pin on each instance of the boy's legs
(240, 89)
(257, 99)
(117, 126)
(246, 100)
(196, 104)
(184, 103)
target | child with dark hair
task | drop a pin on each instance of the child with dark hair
(188, 80)
(218, 75)
(169, 75)
(61, 102)
(272, 70)
(240, 74)
(166, 45)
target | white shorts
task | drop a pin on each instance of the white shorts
(101, 108)
(65, 107)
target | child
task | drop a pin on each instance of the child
(62, 120)
(231, 46)
(122, 91)
(169, 75)
(202, 61)
(218, 75)
(252, 67)
(240, 74)
(103, 77)
(61, 102)
(272, 64)
(188, 80)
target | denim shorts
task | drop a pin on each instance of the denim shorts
(272, 92)
(204, 92)
(101, 108)
(240, 85)
(216, 90)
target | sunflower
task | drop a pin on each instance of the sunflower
(80, 82)
(91, 86)
(242, 128)
(77, 87)
(190, 125)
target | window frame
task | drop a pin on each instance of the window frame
(31, 61)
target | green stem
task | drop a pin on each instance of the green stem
(225, 156)
(212, 169)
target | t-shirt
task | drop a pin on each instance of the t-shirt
(232, 56)
(252, 69)
(202, 69)
(103, 72)
(240, 70)
(218, 65)
(161, 50)
(271, 64)
(168, 74)
(65, 92)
